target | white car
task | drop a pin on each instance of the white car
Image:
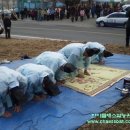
(115, 19)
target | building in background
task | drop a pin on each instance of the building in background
(30, 4)
(8, 4)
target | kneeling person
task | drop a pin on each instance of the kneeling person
(79, 55)
(40, 81)
(57, 63)
(100, 57)
(12, 90)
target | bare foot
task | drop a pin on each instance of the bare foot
(7, 114)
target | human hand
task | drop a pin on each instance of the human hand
(101, 62)
(86, 72)
(80, 76)
(80, 73)
(60, 82)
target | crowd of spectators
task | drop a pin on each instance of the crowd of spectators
(75, 13)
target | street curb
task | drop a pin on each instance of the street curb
(40, 38)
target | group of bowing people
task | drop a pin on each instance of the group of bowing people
(38, 80)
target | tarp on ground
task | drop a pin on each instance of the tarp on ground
(67, 111)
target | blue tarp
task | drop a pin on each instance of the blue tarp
(67, 111)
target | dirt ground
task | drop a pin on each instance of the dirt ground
(13, 49)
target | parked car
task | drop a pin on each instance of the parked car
(115, 19)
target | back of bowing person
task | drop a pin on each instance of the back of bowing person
(41, 81)
(57, 63)
(103, 53)
(13, 86)
(79, 55)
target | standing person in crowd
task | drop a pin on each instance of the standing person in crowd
(78, 55)
(100, 57)
(128, 28)
(68, 13)
(13, 86)
(57, 63)
(93, 9)
(82, 13)
(76, 13)
(98, 10)
(40, 81)
(87, 11)
(72, 13)
(7, 25)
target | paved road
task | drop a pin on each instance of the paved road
(65, 29)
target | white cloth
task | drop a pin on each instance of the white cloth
(35, 75)
(95, 45)
(99, 57)
(54, 61)
(74, 54)
(9, 79)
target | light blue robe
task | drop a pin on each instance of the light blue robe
(74, 54)
(35, 74)
(54, 61)
(9, 79)
(99, 57)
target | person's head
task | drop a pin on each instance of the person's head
(50, 87)
(90, 52)
(107, 53)
(68, 68)
(18, 96)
